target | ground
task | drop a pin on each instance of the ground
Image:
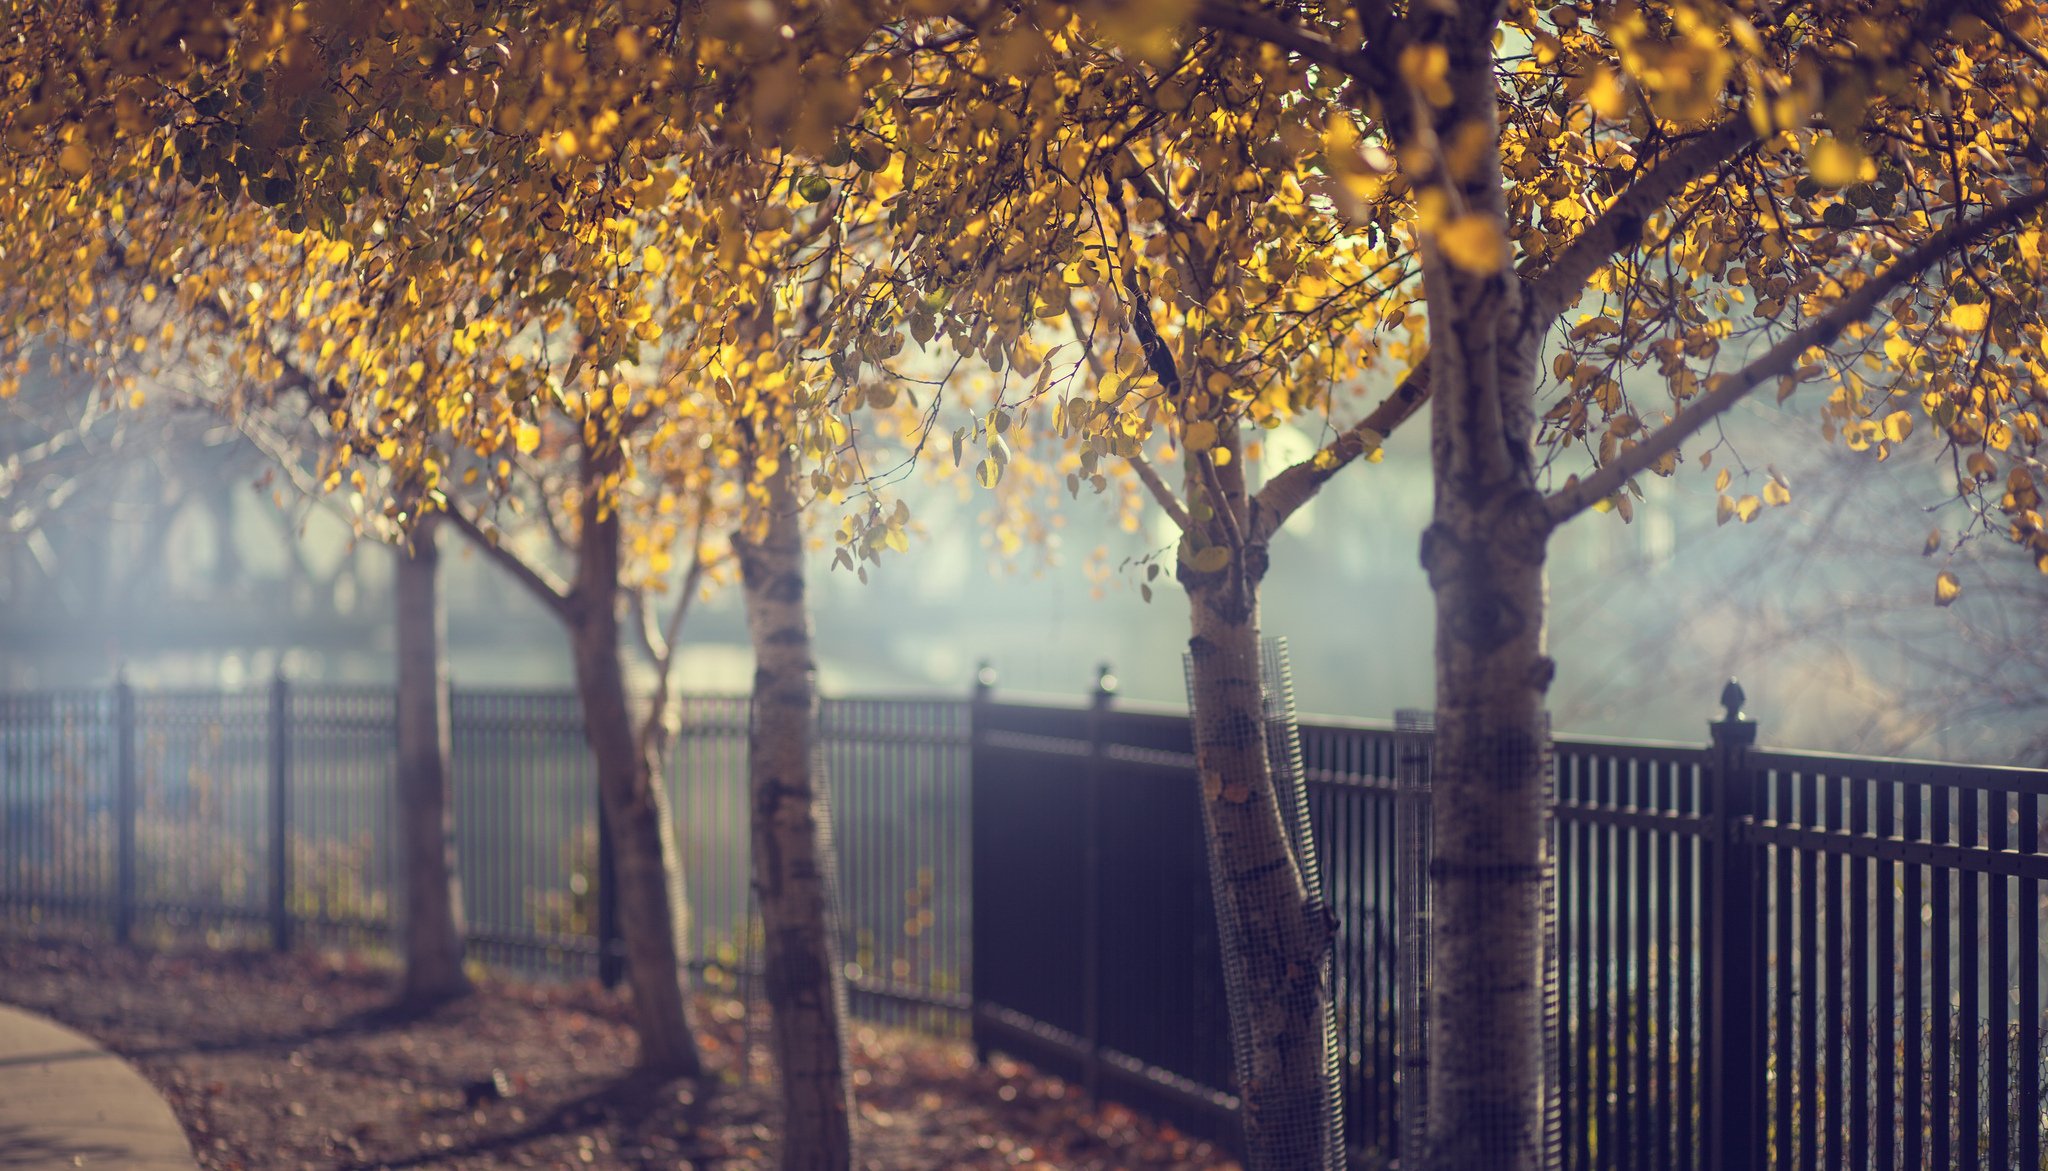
(286, 1062)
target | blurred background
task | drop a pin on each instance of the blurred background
(164, 543)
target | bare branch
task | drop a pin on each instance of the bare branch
(1558, 285)
(538, 582)
(654, 733)
(1157, 486)
(1782, 358)
(1286, 492)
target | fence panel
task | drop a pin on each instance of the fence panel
(1944, 992)
(707, 778)
(1029, 849)
(896, 775)
(344, 869)
(59, 835)
(1631, 923)
(525, 795)
(204, 828)
(1350, 773)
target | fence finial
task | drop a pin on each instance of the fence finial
(1105, 683)
(1731, 701)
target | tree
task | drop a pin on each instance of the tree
(1791, 157)
(1143, 303)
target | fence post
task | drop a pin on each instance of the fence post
(1091, 880)
(978, 699)
(125, 805)
(280, 814)
(611, 965)
(1732, 1115)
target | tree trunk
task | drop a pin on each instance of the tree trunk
(1489, 820)
(633, 802)
(1484, 552)
(1275, 941)
(790, 824)
(432, 927)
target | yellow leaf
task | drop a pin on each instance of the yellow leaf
(1747, 508)
(525, 437)
(1606, 95)
(1970, 318)
(1834, 163)
(1897, 426)
(1721, 481)
(1210, 560)
(988, 472)
(1776, 493)
(1106, 389)
(75, 159)
(1473, 243)
(652, 260)
(1947, 588)
(1201, 435)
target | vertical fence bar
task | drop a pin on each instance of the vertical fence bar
(280, 814)
(1998, 988)
(979, 929)
(1807, 991)
(1888, 947)
(1732, 1108)
(124, 810)
(1912, 1094)
(2029, 1089)
(1091, 881)
(1941, 1094)
(1859, 978)
(610, 964)
(1968, 945)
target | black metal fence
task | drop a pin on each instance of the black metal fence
(262, 818)
(1765, 959)
(1783, 960)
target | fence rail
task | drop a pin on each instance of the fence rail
(1768, 959)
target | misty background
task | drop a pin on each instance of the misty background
(170, 550)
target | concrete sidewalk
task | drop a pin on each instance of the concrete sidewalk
(65, 1102)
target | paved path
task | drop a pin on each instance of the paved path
(65, 1102)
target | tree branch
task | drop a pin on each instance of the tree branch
(1782, 358)
(1149, 475)
(1161, 491)
(1285, 493)
(541, 584)
(1262, 25)
(1557, 287)
(655, 732)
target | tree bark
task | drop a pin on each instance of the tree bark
(432, 928)
(633, 803)
(790, 826)
(1484, 552)
(1275, 940)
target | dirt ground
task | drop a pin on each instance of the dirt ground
(292, 1062)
